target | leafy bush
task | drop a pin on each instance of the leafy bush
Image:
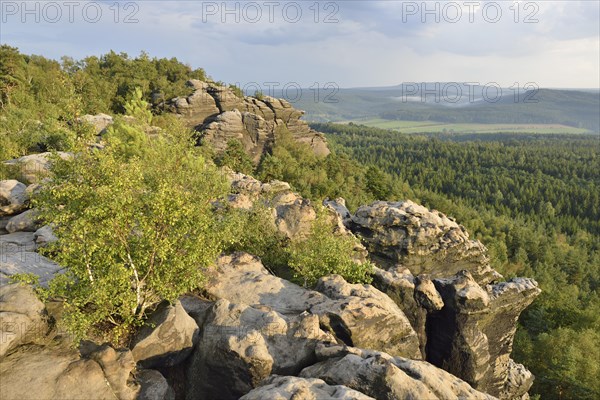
(236, 158)
(135, 227)
(323, 253)
(254, 232)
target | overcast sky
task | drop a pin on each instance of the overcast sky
(351, 43)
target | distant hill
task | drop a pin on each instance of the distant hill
(454, 103)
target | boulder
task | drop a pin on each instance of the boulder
(21, 317)
(339, 206)
(384, 377)
(293, 388)
(472, 335)
(241, 345)
(17, 242)
(35, 167)
(362, 316)
(44, 235)
(99, 122)
(24, 222)
(399, 285)
(3, 223)
(153, 386)
(356, 314)
(422, 240)
(116, 366)
(167, 338)
(13, 197)
(427, 295)
(27, 262)
(294, 215)
(242, 279)
(41, 373)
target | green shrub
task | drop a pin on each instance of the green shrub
(324, 253)
(236, 158)
(254, 232)
(135, 227)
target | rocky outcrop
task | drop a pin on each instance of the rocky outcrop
(167, 338)
(384, 377)
(294, 388)
(153, 386)
(34, 168)
(40, 373)
(293, 215)
(21, 317)
(24, 222)
(472, 335)
(362, 316)
(242, 345)
(222, 115)
(358, 315)
(422, 240)
(14, 259)
(13, 197)
(100, 122)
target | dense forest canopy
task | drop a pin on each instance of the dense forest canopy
(533, 200)
(40, 99)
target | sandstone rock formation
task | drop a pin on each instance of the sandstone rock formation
(21, 317)
(99, 122)
(167, 338)
(443, 282)
(358, 315)
(221, 115)
(241, 345)
(425, 241)
(472, 335)
(35, 167)
(294, 388)
(41, 372)
(13, 197)
(384, 377)
(251, 334)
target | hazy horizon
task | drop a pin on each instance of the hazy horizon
(354, 44)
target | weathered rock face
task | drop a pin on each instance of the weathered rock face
(472, 335)
(13, 197)
(294, 388)
(362, 316)
(15, 260)
(21, 317)
(425, 241)
(358, 315)
(35, 167)
(167, 338)
(99, 122)
(399, 285)
(45, 373)
(24, 222)
(153, 386)
(385, 377)
(222, 115)
(293, 215)
(241, 345)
